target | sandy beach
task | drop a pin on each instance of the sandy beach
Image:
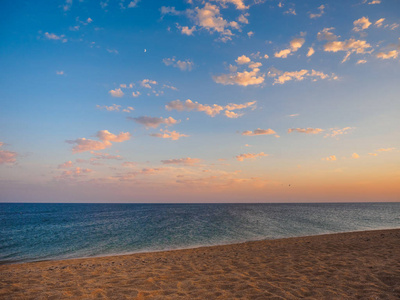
(357, 265)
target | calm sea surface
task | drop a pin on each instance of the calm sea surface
(30, 232)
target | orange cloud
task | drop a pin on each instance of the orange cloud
(106, 137)
(386, 149)
(165, 134)
(355, 155)
(66, 165)
(185, 161)
(306, 130)
(154, 122)
(116, 93)
(7, 157)
(242, 157)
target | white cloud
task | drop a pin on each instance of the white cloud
(391, 54)
(116, 93)
(52, 36)
(60, 72)
(136, 94)
(306, 130)
(295, 45)
(165, 134)
(185, 161)
(116, 107)
(317, 15)
(242, 157)
(361, 24)
(310, 52)
(133, 3)
(183, 65)
(258, 132)
(169, 10)
(154, 122)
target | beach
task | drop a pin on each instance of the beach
(354, 265)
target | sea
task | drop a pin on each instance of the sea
(43, 231)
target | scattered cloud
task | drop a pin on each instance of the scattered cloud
(55, 37)
(379, 23)
(310, 52)
(373, 154)
(154, 122)
(66, 165)
(105, 138)
(60, 72)
(338, 131)
(388, 55)
(115, 107)
(116, 93)
(238, 3)
(258, 132)
(290, 11)
(326, 34)
(295, 45)
(165, 134)
(317, 15)
(242, 157)
(147, 83)
(186, 30)
(281, 77)
(244, 78)
(133, 3)
(330, 158)
(7, 157)
(355, 156)
(294, 115)
(243, 60)
(185, 161)
(386, 149)
(185, 65)
(361, 24)
(361, 61)
(350, 45)
(136, 94)
(375, 2)
(211, 110)
(306, 130)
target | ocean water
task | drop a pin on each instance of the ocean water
(32, 232)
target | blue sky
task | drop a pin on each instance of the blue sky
(220, 100)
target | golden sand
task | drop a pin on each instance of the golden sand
(357, 265)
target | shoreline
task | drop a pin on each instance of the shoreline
(346, 265)
(3, 263)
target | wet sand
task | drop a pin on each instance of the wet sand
(357, 265)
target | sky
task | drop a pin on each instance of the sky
(199, 101)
